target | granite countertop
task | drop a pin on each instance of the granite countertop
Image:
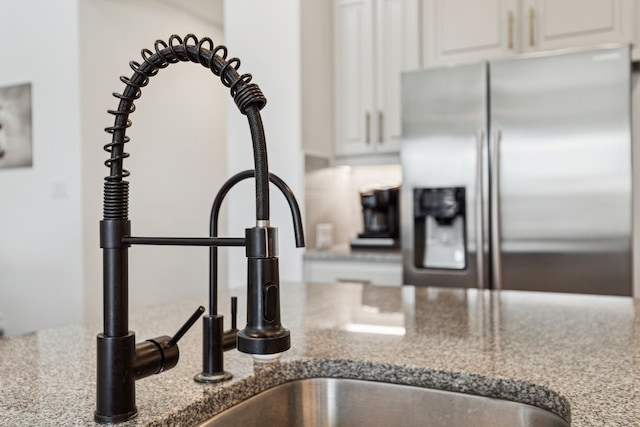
(578, 356)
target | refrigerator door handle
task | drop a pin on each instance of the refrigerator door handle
(480, 210)
(495, 210)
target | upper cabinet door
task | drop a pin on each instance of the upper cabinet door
(554, 24)
(375, 40)
(354, 62)
(398, 50)
(457, 31)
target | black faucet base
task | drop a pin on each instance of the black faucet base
(214, 343)
(214, 378)
(115, 357)
(104, 419)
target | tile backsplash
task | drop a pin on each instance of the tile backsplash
(332, 195)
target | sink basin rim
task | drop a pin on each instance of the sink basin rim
(263, 376)
(249, 404)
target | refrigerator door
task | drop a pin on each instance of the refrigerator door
(445, 179)
(561, 168)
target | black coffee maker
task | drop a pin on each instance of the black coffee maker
(381, 218)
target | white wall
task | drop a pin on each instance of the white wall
(40, 215)
(178, 148)
(73, 53)
(50, 261)
(266, 37)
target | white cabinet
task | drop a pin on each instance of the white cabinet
(464, 31)
(353, 75)
(461, 31)
(387, 273)
(374, 41)
(316, 79)
(397, 50)
(553, 24)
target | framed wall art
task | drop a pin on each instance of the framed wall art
(16, 146)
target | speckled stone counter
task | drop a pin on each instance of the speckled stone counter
(577, 356)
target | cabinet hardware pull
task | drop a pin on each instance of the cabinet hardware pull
(510, 29)
(532, 32)
(380, 127)
(367, 124)
(359, 281)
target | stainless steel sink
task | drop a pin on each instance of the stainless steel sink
(322, 402)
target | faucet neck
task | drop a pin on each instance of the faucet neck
(248, 97)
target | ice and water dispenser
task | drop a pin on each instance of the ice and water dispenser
(439, 228)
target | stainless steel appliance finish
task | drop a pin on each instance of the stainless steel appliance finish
(335, 402)
(444, 122)
(542, 147)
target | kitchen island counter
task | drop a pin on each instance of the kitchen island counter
(575, 355)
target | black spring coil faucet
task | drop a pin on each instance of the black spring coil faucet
(120, 361)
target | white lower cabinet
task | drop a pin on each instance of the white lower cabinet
(354, 271)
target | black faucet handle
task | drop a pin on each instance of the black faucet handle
(184, 328)
(161, 353)
(234, 313)
(229, 336)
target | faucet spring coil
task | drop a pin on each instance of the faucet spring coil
(116, 200)
(247, 96)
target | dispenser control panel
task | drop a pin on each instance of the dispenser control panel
(439, 225)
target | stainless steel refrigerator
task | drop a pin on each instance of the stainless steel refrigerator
(517, 173)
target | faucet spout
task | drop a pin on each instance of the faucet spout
(215, 342)
(298, 230)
